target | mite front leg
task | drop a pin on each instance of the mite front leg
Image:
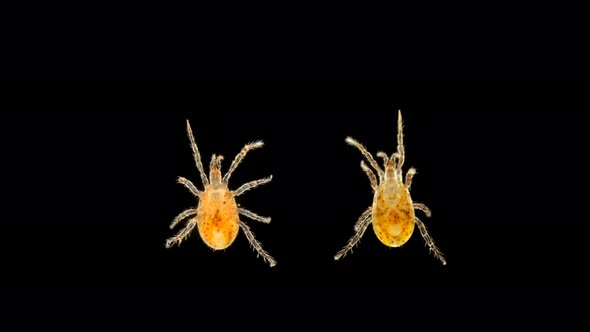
(362, 227)
(256, 245)
(196, 154)
(430, 242)
(239, 157)
(183, 215)
(178, 238)
(409, 176)
(400, 140)
(251, 185)
(367, 155)
(253, 216)
(370, 174)
(385, 158)
(187, 183)
(423, 208)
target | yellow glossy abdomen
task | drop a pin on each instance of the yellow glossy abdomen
(393, 217)
(218, 219)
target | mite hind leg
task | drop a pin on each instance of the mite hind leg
(178, 238)
(430, 242)
(361, 225)
(256, 245)
(183, 215)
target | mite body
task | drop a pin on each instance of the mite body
(392, 213)
(217, 214)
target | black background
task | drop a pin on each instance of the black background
(89, 189)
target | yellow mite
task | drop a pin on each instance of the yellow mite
(217, 215)
(392, 213)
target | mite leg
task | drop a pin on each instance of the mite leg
(187, 183)
(385, 158)
(239, 157)
(370, 174)
(196, 154)
(256, 245)
(409, 176)
(400, 140)
(251, 185)
(362, 218)
(367, 155)
(423, 208)
(183, 215)
(362, 227)
(253, 215)
(178, 238)
(430, 242)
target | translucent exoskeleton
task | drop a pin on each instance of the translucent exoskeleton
(392, 213)
(217, 214)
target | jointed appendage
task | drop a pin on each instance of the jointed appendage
(362, 218)
(183, 215)
(423, 208)
(253, 215)
(400, 140)
(367, 155)
(187, 183)
(251, 185)
(362, 227)
(196, 154)
(370, 174)
(239, 157)
(182, 234)
(385, 158)
(256, 245)
(429, 241)
(409, 176)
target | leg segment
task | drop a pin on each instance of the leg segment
(251, 185)
(362, 227)
(385, 158)
(400, 140)
(370, 174)
(362, 218)
(256, 245)
(178, 238)
(430, 242)
(423, 208)
(183, 215)
(196, 154)
(239, 157)
(187, 183)
(253, 215)
(367, 155)
(409, 176)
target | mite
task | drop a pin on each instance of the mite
(217, 214)
(393, 212)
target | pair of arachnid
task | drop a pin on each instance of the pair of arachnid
(217, 215)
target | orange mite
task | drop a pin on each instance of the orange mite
(392, 213)
(217, 215)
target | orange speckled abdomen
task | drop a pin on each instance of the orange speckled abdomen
(393, 223)
(218, 219)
